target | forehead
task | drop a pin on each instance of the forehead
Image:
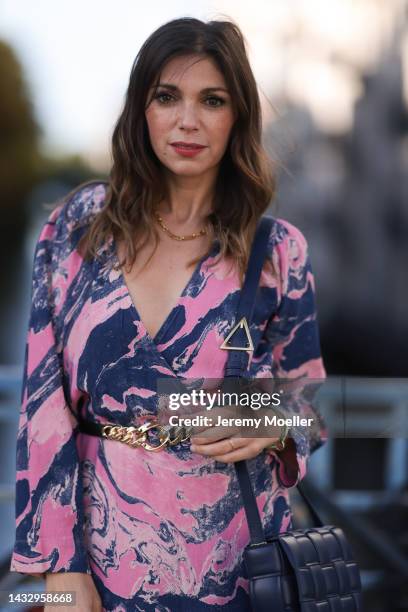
(197, 69)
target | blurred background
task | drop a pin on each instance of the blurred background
(333, 78)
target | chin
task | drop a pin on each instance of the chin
(187, 169)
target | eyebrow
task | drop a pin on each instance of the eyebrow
(205, 90)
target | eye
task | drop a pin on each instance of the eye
(163, 95)
(214, 101)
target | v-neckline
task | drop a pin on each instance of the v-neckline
(155, 340)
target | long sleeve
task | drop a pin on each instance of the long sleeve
(48, 507)
(296, 354)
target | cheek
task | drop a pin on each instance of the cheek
(157, 124)
(221, 130)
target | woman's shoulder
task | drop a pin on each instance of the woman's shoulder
(79, 206)
(287, 244)
(66, 223)
(285, 234)
(71, 216)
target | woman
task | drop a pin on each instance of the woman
(139, 279)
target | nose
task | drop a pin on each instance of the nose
(188, 117)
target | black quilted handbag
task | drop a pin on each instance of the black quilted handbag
(303, 570)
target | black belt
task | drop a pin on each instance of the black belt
(90, 428)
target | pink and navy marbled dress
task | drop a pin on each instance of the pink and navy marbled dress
(160, 531)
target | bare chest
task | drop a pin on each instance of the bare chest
(155, 288)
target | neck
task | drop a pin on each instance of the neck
(189, 199)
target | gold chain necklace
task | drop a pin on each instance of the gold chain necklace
(175, 236)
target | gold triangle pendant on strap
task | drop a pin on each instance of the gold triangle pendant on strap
(242, 324)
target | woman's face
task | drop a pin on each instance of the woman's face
(191, 106)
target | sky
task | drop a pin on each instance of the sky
(77, 56)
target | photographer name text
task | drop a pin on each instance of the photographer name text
(256, 422)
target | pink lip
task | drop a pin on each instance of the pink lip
(187, 145)
(187, 149)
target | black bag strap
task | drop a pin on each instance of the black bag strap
(237, 361)
(236, 366)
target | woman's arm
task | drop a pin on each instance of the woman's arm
(294, 335)
(49, 512)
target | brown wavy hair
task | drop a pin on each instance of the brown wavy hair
(245, 184)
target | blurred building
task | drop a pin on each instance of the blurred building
(348, 193)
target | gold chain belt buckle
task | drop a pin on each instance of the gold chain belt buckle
(163, 436)
(137, 436)
(128, 435)
(181, 433)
